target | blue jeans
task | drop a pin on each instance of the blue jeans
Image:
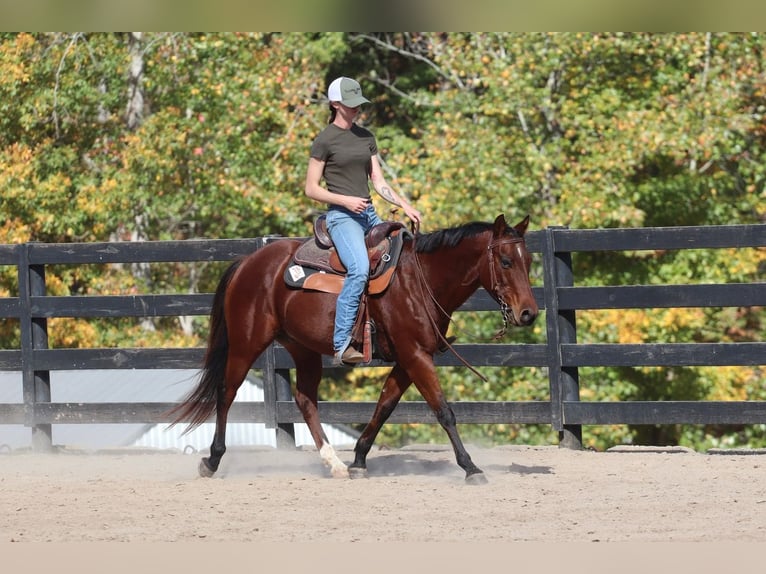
(347, 231)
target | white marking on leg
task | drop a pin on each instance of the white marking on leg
(338, 469)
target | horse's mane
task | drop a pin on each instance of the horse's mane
(430, 242)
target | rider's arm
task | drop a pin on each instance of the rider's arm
(386, 191)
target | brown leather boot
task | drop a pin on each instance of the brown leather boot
(349, 357)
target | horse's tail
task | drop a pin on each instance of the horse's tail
(202, 401)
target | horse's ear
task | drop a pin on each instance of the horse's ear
(500, 225)
(521, 227)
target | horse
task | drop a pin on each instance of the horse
(437, 272)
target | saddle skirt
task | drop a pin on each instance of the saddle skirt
(318, 268)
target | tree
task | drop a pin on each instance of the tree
(178, 135)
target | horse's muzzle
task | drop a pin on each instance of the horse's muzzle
(526, 317)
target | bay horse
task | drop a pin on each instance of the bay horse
(437, 273)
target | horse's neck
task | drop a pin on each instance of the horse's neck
(452, 273)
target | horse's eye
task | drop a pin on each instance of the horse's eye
(506, 263)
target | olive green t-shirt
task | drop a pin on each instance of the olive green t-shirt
(347, 155)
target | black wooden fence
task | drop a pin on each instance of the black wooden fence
(560, 353)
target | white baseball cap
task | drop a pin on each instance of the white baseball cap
(346, 91)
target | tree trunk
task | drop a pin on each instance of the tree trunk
(135, 110)
(133, 117)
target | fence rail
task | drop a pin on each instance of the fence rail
(560, 353)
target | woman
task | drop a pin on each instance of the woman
(345, 156)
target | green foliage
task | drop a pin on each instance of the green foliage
(577, 129)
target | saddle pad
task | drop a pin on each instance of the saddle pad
(296, 275)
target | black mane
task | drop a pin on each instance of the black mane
(430, 242)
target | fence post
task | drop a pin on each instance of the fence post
(269, 388)
(285, 431)
(276, 387)
(561, 329)
(34, 335)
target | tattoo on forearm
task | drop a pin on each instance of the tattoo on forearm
(388, 195)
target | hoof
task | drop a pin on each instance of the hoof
(204, 469)
(476, 478)
(339, 471)
(357, 472)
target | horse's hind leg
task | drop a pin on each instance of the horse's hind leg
(308, 373)
(397, 382)
(236, 371)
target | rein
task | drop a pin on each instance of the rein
(425, 288)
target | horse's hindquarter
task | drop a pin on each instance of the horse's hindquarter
(257, 289)
(305, 317)
(263, 268)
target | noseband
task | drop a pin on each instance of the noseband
(495, 285)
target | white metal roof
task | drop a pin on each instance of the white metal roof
(143, 385)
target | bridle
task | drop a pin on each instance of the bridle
(495, 285)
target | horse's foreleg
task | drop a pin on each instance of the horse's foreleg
(397, 382)
(308, 373)
(423, 373)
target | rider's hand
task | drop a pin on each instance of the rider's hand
(412, 213)
(356, 204)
